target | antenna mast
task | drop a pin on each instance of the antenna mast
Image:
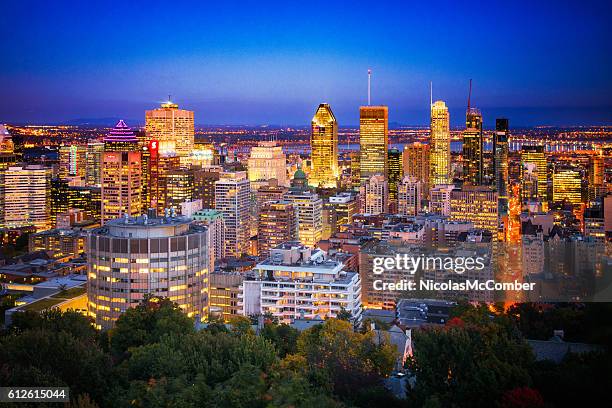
(369, 79)
(430, 93)
(469, 95)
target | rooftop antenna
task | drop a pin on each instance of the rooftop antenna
(369, 80)
(430, 93)
(469, 95)
(169, 98)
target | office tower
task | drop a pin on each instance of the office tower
(27, 191)
(224, 295)
(73, 163)
(7, 159)
(394, 175)
(375, 195)
(309, 207)
(439, 199)
(161, 166)
(355, 170)
(416, 164)
(128, 259)
(293, 270)
(213, 219)
(61, 243)
(477, 204)
(439, 145)
(324, 148)
(270, 192)
(473, 148)
(172, 128)
(534, 156)
(338, 211)
(567, 185)
(204, 155)
(266, 162)
(500, 160)
(277, 223)
(93, 169)
(204, 184)
(373, 141)
(121, 174)
(232, 195)
(410, 194)
(596, 176)
(179, 187)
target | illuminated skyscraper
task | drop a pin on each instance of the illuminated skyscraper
(324, 148)
(93, 170)
(373, 141)
(232, 195)
(7, 159)
(477, 204)
(473, 148)
(394, 175)
(500, 158)
(277, 223)
(338, 211)
(204, 179)
(172, 128)
(309, 208)
(73, 163)
(439, 145)
(535, 155)
(161, 166)
(416, 164)
(121, 174)
(27, 197)
(410, 194)
(267, 161)
(179, 187)
(596, 176)
(567, 185)
(270, 192)
(375, 195)
(355, 170)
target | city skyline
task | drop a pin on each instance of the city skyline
(231, 69)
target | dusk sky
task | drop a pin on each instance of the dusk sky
(262, 62)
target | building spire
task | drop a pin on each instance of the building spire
(369, 80)
(430, 94)
(469, 95)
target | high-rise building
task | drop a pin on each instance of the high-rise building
(27, 192)
(7, 159)
(535, 156)
(477, 204)
(338, 211)
(121, 174)
(277, 223)
(293, 270)
(129, 259)
(416, 164)
(394, 175)
(439, 145)
(500, 159)
(204, 155)
(410, 194)
(172, 128)
(373, 141)
(160, 166)
(93, 170)
(375, 195)
(355, 170)
(73, 163)
(204, 179)
(596, 176)
(224, 294)
(232, 195)
(439, 199)
(567, 185)
(213, 219)
(324, 148)
(309, 208)
(270, 192)
(179, 187)
(473, 148)
(267, 161)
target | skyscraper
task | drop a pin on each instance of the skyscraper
(27, 197)
(473, 148)
(121, 174)
(172, 128)
(267, 161)
(477, 204)
(373, 141)
(500, 159)
(375, 195)
(567, 185)
(7, 159)
(324, 148)
(535, 156)
(232, 195)
(73, 163)
(93, 170)
(179, 187)
(410, 194)
(416, 164)
(277, 223)
(439, 145)
(394, 175)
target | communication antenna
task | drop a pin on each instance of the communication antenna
(369, 80)
(169, 97)
(430, 93)
(469, 95)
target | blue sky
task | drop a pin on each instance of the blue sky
(273, 62)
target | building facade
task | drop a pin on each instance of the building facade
(373, 141)
(324, 148)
